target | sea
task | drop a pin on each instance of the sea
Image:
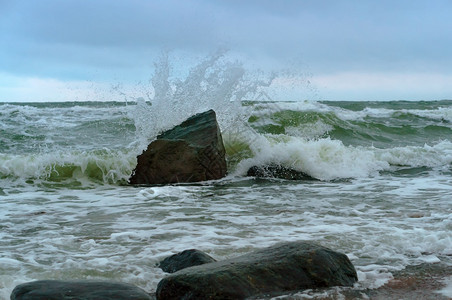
(382, 192)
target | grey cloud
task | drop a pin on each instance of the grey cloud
(51, 37)
(106, 23)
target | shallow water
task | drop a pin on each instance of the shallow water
(119, 232)
(383, 196)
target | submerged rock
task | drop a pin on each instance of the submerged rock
(185, 259)
(277, 171)
(70, 290)
(190, 152)
(279, 269)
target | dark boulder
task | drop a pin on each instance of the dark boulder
(185, 259)
(277, 171)
(190, 152)
(280, 269)
(70, 290)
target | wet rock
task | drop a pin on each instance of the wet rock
(423, 281)
(190, 152)
(185, 259)
(276, 270)
(277, 171)
(70, 290)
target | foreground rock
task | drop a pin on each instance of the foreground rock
(277, 171)
(185, 259)
(190, 152)
(272, 271)
(65, 290)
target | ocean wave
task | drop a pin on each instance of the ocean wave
(381, 127)
(327, 141)
(324, 159)
(101, 166)
(328, 159)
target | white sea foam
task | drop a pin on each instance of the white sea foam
(23, 116)
(108, 166)
(324, 159)
(120, 233)
(447, 290)
(328, 159)
(64, 214)
(440, 113)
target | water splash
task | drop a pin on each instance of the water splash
(215, 83)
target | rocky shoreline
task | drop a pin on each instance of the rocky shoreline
(272, 271)
(414, 282)
(193, 151)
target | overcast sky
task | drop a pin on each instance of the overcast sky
(53, 50)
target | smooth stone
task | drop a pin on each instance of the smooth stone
(185, 259)
(79, 290)
(280, 269)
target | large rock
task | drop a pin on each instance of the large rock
(277, 171)
(190, 152)
(185, 259)
(276, 270)
(80, 290)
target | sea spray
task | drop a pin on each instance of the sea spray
(65, 214)
(311, 137)
(99, 142)
(215, 83)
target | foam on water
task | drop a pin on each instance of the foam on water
(300, 148)
(447, 290)
(39, 128)
(328, 159)
(440, 113)
(121, 233)
(65, 212)
(100, 166)
(323, 159)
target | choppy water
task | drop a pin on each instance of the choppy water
(66, 211)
